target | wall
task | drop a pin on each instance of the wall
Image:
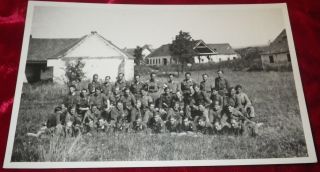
(160, 60)
(215, 58)
(102, 67)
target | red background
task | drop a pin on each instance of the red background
(305, 22)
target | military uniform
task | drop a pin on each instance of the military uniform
(222, 85)
(122, 84)
(165, 100)
(153, 88)
(157, 126)
(205, 86)
(93, 85)
(83, 102)
(200, 98)
(106, 88)
(185, 86)
(190, 127)
(136, 88)
(145, 101)
(175, 113)
(128, 101)
(71, 100)
(173, 86)
(135, 114)
(100, 100)
(172, 128)
(218, 98)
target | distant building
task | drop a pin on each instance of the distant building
(146, 50)
(47, 58)
(204, 53)
(277, 53)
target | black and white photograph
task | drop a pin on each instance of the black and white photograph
(105, 85)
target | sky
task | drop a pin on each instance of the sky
(132, 26)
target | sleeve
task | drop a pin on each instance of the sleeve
(227, 84)
(216, 84)
(160, 101)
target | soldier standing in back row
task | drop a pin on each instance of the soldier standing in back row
(205, 85)
(95, 84)
(186, 84)
(107, 86)
(121, 83)
(172, 85)
(221, 83)
(136, 87)
(153, 87)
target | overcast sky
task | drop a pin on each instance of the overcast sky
(129, 27)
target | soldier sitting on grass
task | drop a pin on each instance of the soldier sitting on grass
(172, 125)
(52, 126)
(243, 103)
(157, 125)
(187, 126)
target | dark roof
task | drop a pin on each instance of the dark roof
(224, 48)
(40, 49)
(163, 50)
(278, 45)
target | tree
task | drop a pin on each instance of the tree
(74, 70)
(181, 49)
(138, 55)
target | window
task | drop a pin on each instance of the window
(219, 59)
(288, 57)
(234, 58)
(271, 59)
(228, 58)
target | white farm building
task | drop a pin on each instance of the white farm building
(204, 53)
(47, 58)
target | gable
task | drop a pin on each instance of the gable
(202, 48)
(93, 46)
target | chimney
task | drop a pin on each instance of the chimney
(93, 32)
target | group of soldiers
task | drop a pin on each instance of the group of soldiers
(171, 107)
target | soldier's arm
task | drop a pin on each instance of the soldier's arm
(248, 102)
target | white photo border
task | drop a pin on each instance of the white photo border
(311, 158)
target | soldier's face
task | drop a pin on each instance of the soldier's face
(116, 90)
(186, 121)
(94, 108)
(220, 74)
(152, 107)
(214, 92)
(205, 77)
(201, 108)
(235, 124)
(73, 111)
(188, 76)
(170, 77)
(232, 91)
(137, 78)
(107, 79)
(178, 94)
(144, 93)
(196, 89)
(176, 106)
(98, 91)
(230, 108)
(119, 105)
(127, 92)
(172, 120)
(202, 123)
(72, 89)
(95, 77)
(157, 118)
(84, 92)
(120, 76)
(167, 91)
(153, 76)
(239, 90)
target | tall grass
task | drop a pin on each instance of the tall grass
(273, 95)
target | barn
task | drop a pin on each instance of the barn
(277, 53)
(47, 58)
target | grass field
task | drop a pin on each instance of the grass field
(273, 95)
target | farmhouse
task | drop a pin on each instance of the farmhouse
(47, 58)
(146, 50)
(204, 53)
(277, 53)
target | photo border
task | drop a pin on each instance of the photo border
(172, 163)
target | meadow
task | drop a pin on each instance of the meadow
(273, 95)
